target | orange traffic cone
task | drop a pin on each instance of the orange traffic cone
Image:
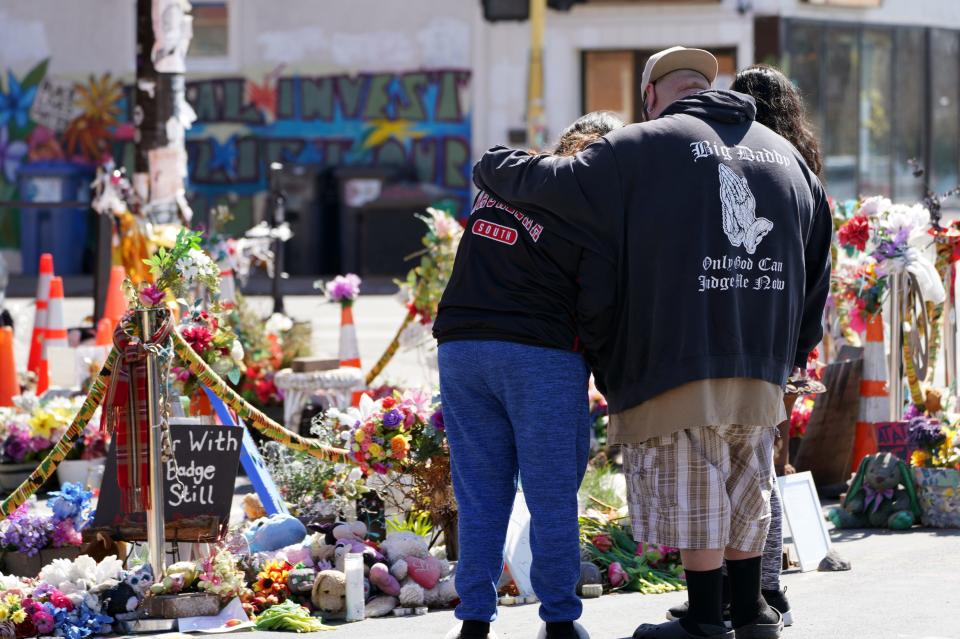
(349, 350)
(9, 386)
(874, 405)
(40, 318)
(116, 304)
(56, 333)
(104, 332)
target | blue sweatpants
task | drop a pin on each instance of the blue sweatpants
(514, 410)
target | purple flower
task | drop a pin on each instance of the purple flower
(343, 288)
(151, 296)
(924, 432)
(437, 420)
(380, 468)
(912, 411)
(392, 418)
(15, 449)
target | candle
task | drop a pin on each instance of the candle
(353, 567)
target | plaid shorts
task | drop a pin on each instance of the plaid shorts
(702, 488)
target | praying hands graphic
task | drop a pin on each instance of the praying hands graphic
(740, 221)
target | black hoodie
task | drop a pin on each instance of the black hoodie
(720, 231)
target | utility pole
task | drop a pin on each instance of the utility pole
(536, 117)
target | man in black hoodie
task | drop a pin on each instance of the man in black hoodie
(722, 238)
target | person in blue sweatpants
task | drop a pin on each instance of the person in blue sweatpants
(513, 381)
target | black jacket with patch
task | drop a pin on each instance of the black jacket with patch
(515, 279)
(720, 232)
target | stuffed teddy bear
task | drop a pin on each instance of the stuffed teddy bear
(880, 496)
(126, 596)
(329, 594)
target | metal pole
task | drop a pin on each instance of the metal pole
(536, 127)
(156, 536)
(896, 346)
(950, 331)
(278, 217)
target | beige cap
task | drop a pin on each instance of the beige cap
(675, 58)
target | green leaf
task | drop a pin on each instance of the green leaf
(35, 74)
(234, 376)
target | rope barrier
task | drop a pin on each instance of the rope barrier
(246, 411)
(59, 452)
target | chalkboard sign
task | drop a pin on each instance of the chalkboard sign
(892, 438)
(198, 487)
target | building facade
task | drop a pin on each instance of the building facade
(429, 84)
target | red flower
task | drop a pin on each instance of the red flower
(603, 543)
(855, 232)
(388, 403)
(199, 337)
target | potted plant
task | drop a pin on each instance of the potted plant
(936, 469)
(28, 431)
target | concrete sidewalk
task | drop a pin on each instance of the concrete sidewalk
(902, 586)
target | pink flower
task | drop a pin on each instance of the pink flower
(379, 468)
(60, 600)
(151, 296)
(617, 575)
(44, 622)
(180, 374)
(603, 543)
(343, 288)
(199, 337)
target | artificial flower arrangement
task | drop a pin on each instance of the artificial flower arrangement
(268, 346)
(176, 271)
(46, 611)
(30, 529)
(424, 284)
(343, 289)
(315, 490)
(936, 440)
(221, 576)
(627, 565)
(378, 434)
(213, 340)
(879, 238)
(270, 588)
(30, 428)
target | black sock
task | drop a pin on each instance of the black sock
(475, 630)
(561, 630)
(746, 603)
(705, 593)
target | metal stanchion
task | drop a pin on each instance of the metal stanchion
(896, 345)
(950, 331)
(156, 537)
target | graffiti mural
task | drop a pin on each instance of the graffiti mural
(419, 119)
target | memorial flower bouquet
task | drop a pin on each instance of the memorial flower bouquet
(937, 443)
(29, 530)
(424, 284)
(176, 271)
(627, 565)
(29, 429)
(314, 489)
(221, 576)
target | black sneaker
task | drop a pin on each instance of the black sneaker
(679, 612)
(777, 599)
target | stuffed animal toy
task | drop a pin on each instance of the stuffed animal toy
(881, 496)
(300, 580)
(126, 596)
(253, 507)
(424, 580)
(274, 533)
(329, 594)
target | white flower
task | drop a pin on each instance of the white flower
(196, 264)
(278, 323)
(873, 206)
(236, 351)
(444, 226)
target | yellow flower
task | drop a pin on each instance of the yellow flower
(919, 458)
(358, 436)
(4, 613)
(12, 600)
(19, 616)
(42, 423)
(375, 450)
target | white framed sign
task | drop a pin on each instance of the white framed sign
(801, 509)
